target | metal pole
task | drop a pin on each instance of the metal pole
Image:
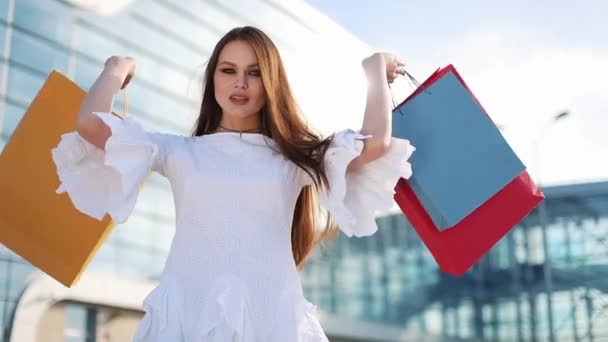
(516, 285)
(542, 220)
(547, 269)
(6, 54)
(573, 301)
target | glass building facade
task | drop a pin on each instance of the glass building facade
(389, 278)
(517, 292)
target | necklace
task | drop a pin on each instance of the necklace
(251, 130)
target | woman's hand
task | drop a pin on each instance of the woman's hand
(124, 67)
(384, 62)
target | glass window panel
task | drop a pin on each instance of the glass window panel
(144, 230)
(377, 308)
(3, 277)
(375, 266)
(562, 308)
(52, 21)
(97, 44)
(171, 109)
(3, 324)
(139, 263)
(12, 116)
(156, 265)
(23, 85)
(465, 316)
(117, 25)
(2, 31)
(432, 319)
(183, 24)
(6, 253)
(542, 323)
(167, 77)
(80, 323)
(500, 254)
(75, 316)
(18, 274)
(2, 74)
(506, 320)
(71, 338)
(582, 314)
(157, 198)
(535, 245)
(7, 311)
(91, 324)
(106, 258)
(4, 9)
(37, 54)
(520, 251)
(155, 42)
(556, 241)
(282, 29)
(487, 315)
(86, 73)
(210, 14)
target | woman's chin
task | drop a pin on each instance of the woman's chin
(240, 112)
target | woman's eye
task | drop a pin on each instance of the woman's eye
(232, 71)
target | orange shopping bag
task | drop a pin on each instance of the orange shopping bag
(41, 226)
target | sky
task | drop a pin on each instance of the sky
(526, 61)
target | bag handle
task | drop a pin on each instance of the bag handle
(412, 81)
(125, 102)
(125, 106)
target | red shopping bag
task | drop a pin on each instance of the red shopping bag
(458, 248)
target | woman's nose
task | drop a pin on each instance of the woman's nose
(241, 82)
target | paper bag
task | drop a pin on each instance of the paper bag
(36, 223)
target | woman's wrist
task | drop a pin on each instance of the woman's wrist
(112, 79)
(118, 71)
(374, 67)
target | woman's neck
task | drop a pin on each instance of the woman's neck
(250, 124)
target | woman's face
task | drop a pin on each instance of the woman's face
(237, 81)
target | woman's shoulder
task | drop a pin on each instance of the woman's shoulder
(168, 140)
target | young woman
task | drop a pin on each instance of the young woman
(247, 185)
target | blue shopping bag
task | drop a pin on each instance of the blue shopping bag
(461, 158)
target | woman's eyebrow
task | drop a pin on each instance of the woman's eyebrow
(232, 64)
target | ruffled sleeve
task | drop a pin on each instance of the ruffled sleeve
(355, 197)
(100, 182)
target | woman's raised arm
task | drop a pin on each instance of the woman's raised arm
(116, 74)
(380, 70)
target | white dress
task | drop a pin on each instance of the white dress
(230, 274)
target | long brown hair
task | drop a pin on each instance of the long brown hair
(282, 121)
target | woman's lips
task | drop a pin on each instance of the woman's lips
(239, 100)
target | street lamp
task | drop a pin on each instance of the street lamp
(542, 213)
(561, 115)
(542, 218)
